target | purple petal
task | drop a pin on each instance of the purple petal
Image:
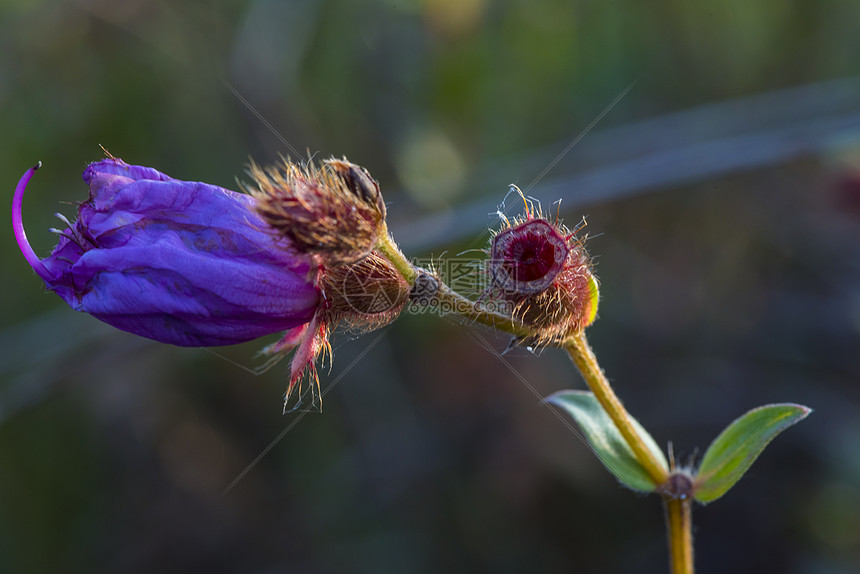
(180, 262)
(18, 225)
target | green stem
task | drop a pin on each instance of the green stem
(447, 297)
(576, 345)
(678, 512)
(583, 357)
(388, 249)
(679, 526)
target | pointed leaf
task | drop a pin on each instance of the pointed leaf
(733, 452)
(605, 439)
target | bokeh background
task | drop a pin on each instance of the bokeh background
(722, 191)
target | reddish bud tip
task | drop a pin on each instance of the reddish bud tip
(528, 257)
(543, 270)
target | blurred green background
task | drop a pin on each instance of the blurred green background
(723, 200)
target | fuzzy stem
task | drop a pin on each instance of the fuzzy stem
(447, 297)
(583, 357)
(388, 249)
(679, 527)
(576, 345)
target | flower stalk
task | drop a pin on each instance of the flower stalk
(679, 527)
(575, 344)
(677, 510)
(386, 247)
(583, 357)
(450, 298)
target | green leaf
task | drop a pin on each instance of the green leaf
(733, 452)
(606, 441)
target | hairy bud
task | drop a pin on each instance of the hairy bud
(366, 295)
(542, 269)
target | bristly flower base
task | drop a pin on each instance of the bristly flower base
(542, 269)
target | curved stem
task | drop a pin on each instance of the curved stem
(388, 249)
(678, 512)
(576, 345)
(583, 357)
(679, 526)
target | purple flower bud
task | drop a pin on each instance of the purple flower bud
(179, 262)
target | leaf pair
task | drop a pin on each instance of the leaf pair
(724, 463)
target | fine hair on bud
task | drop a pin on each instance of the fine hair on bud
(333, 211)
(541, 268)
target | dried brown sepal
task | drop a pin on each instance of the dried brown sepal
(334, 212)
(363, 296)
(366, 295)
